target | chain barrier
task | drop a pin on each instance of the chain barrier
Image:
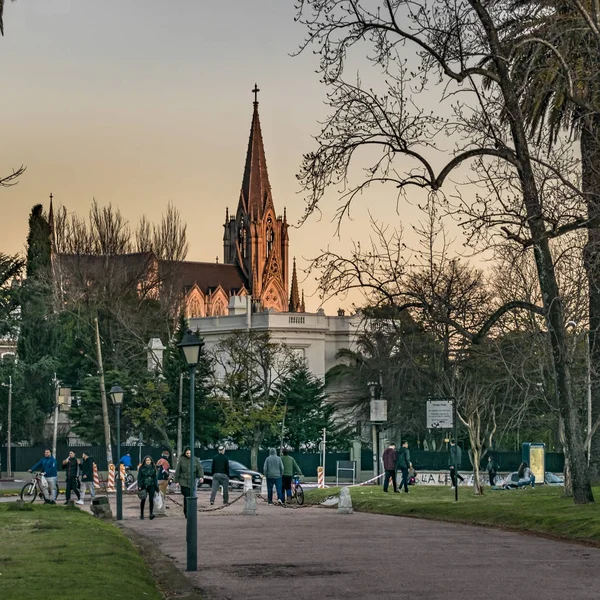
(211, 509)
(288, 505)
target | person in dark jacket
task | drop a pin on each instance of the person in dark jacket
(492, 469)
(87, 476)
(220, 476)
(182, 475)
(49, 467)
(290, 468)
(273, 471)
(71, 466)
(389, 464)
(403, 463)
(454, 458)
(147, 480)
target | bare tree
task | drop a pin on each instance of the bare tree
(250, 371)
(460, 46)
(10, 180)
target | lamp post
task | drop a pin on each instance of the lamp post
(8, 429)
(116, 395)
(190, 347)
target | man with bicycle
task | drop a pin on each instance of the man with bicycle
(48, 467)
(290, 468)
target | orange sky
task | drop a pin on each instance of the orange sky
(138, 102)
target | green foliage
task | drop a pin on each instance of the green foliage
(37, 329)
(252, 370)
(306, 412)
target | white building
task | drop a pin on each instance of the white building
(315, 337)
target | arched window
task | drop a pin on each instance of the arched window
(270, 236)
(242, 238)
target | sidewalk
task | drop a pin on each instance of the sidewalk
(314, 552)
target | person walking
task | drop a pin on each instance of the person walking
(290, 468)
(220, 476)
(492, 469)
(87, 476)
(273, 470)
(71, 466)
(182, 475)
(454, 460)
(389, 464)
(147, 481)
(403, 463)
(49, 468)
(163, 472)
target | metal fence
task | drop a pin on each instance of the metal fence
(438, 461)
(24, 457)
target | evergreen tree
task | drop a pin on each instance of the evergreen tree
(35, 346)
(307, 412)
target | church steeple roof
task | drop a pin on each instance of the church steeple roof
(256, 189)
(294, 294)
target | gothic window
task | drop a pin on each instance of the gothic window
(194, 308)
(218, 309)
(270, 236)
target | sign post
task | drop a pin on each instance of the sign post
(441, 414)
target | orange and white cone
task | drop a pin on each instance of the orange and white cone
(320, 477)
(122, 477)
(111, 479)
(96, 477)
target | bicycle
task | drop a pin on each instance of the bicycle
(31, 490)
(297, 491)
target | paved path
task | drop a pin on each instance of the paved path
(316, 553)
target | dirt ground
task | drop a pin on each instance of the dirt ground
(318, 553)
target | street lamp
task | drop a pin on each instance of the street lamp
(116, 395)
(190, 347)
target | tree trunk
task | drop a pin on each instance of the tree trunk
(590, 162)
(477, 487)
(568, 487)
(552, 301)
(109, 456)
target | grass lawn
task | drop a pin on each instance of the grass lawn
(543, 510)
(9, 492)
(54, 552)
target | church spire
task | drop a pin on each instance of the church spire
(294, 295)
(51, 222)
(256, 189)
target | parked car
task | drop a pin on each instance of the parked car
(236, 472)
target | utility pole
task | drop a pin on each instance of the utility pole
(55, 430)
(179, 416)
(9, 426)
(109, 456)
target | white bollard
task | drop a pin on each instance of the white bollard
(345, 503)
(249, 502)
(247, 483)
(263, 487)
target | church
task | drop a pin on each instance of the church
(255, 254)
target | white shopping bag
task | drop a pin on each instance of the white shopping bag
(158, 501)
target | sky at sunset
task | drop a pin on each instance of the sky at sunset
(139, 102)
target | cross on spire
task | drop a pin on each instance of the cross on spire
(51, 196)
(255, 92)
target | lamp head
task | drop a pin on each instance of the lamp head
(190, 347)
(116, 394)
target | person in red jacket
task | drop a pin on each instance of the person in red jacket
(389, 464)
